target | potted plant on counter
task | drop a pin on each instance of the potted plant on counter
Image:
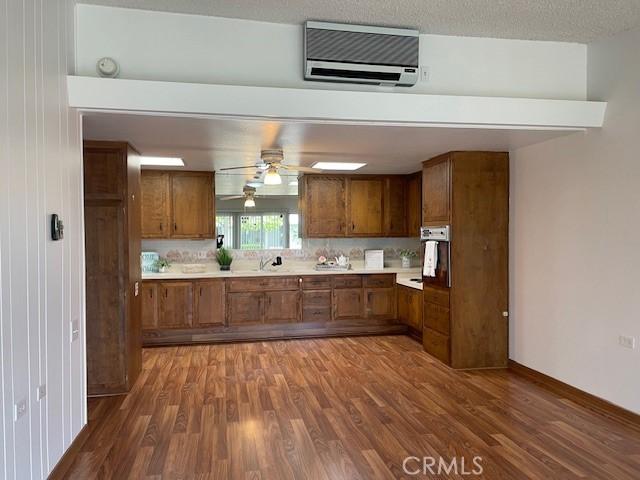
(224, 258)
(162, 264)
(406, 256)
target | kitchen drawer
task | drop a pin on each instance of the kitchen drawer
(316, 298)
(316, 314)
(436, 317)
(316, 282)
(254, 284)
(439, 296)
(379, 281)
(347, 281)
(437, 345)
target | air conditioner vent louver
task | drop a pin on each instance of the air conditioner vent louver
(358, 47)
(361, 54)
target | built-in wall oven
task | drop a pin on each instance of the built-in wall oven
(441, 275)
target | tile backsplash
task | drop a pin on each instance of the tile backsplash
(204, 251)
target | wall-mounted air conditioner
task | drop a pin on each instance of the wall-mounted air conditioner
(337, 52)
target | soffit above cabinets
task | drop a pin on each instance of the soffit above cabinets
(344, 107)
(217, 126)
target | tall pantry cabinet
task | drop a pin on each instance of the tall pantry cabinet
(113, 276)
(466, 326)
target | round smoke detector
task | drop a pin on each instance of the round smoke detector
(107, 67)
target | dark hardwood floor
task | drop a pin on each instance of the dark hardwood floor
(351, 408)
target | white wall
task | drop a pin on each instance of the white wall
(575, 253)
(191, 48)
(41, 282)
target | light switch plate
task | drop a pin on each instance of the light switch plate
(19, 410)
(424, 74)
(75, 330)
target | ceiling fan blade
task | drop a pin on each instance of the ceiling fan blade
(238, 168)
(301, 169)
(234, 197)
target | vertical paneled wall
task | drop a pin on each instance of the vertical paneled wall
(41, 281)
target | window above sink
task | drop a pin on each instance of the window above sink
(259, 230)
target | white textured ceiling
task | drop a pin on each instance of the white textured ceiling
(563, 20)
(214, 143)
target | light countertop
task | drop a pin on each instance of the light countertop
(404, 278)
(212, 271)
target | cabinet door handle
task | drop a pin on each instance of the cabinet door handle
(353, 226)
(200, 291)
(161, 226)
(175, 226)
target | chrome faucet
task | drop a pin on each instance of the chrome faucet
(265, 263)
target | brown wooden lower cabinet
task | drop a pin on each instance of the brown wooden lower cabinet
(437, 345)
(245, 308)
(149, 294)
(410, 309)
(201, 310)
(437, 318)
(210, 303)
(436, 333)
(282, 307)
(348, 303)
(176, 304)
(316, 305)
(380, 303)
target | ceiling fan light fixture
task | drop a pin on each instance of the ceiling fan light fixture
(272, 177)
(249, 202)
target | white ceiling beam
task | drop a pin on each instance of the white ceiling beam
(332, 106)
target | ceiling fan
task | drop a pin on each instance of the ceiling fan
(249, 195)
(272, 162)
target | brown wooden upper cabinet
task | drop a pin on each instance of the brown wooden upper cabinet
(156, 206)
(413, 197)
(357, 206)
(177, 204)
(436, 191)
(323, 199)
(396, 212)
(365, 197)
